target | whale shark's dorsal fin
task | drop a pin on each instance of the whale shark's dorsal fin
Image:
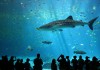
(70, 17)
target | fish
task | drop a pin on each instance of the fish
(69, 22)
(46, 42)
(79, 52)
(29, 48)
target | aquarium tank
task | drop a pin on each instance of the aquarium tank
(49, 27)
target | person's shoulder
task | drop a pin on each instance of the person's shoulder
(35, 59)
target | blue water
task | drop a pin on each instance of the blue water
(20, 18)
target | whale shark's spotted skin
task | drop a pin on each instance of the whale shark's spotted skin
(67, 23)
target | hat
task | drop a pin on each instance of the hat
(87, 57)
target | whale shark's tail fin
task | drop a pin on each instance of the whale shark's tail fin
(91, 23)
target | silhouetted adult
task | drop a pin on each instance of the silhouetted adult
(94, 64)
(37, 63)
(53, 65)
(4, 63)
(27, 64)
(80, 63)
(75, 62)
(62, 62)
(17, 64)
(21, 64)
(11, 62)
(87, 63)
(67, 62)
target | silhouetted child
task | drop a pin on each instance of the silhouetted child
(62, 62)
(37, 63)
(53, 65)
(74, 62)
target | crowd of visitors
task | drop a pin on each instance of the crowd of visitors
(64, 63)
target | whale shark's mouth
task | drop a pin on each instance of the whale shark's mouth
(38, 28)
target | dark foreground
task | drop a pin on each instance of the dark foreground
(61, 63)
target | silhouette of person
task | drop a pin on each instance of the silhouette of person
(80, 63)
(21, 65)
(62, 62)
(0, 64)
(94, 64)
(17, 64)
(4, 63)
(67, 62)
(37, 63)
(53, 65)
(27, 64)
(99, 65)
(74, 62)
(87, 63)
(11, 62)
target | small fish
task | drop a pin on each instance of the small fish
(46, 42)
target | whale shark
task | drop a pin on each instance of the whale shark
(69, 22)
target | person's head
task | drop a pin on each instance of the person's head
(62, 56)
(27, 60)
(38, 55)
(53, 61)
(75, 57)
(87, 57)
(18, 60)
(21, 60)
(67, 57)
(94, 59)
(80, 57)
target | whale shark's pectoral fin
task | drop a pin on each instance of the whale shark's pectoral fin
(70, 17)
